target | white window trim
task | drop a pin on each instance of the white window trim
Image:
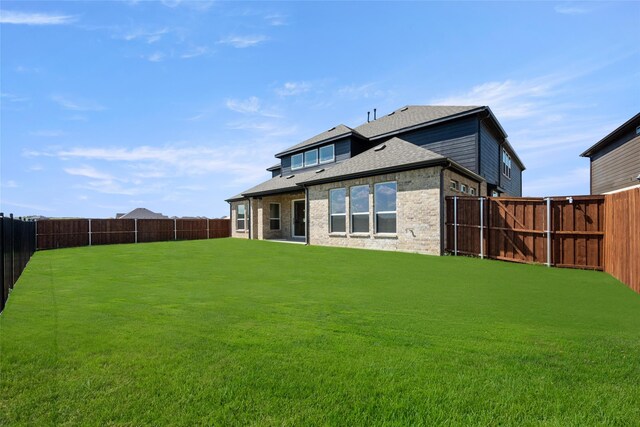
(333, 154)
(453, 185)
(376, 212)
(367, 213)
(305, 158)
(344, 214)
(244, 218)
(463, 188)
(301, 164)
(273, 219)
(506, 168)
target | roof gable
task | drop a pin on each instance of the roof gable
(627, 126)
(329, 135)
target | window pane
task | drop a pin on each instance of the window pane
(359, 199)
(274, 224)
(311, 158)
(241, 211)
(360, 223)
(240, 224)
(296, 161)
(385, 197)
(386, 223)
(327, 154)
(337, 200)
(274, 211)
(338, 223)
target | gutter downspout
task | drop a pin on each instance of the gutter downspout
(249, 222)
(442, 207)
(306, 215)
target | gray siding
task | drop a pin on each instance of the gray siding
(456, 140)
(490, 156)
(275, 173)
(342, 152)
(616, 166)
(512, 186)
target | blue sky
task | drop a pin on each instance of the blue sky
(175, 106)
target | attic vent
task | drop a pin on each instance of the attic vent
(391, 114)
(380, 147)
(320, 170)
(333, 128)
(290, 176)
(405, 109)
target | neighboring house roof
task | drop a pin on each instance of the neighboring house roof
(627, 126)
(391, 156)
(332, 134)
(412, 115)
(278, 184)
(143, 213)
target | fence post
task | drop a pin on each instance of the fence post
(481, 228)
(135, 229)
(455, 225)
(175, 229)
(89, 231)
(208, 229)
(13, 255)
(35, 236)
(548, 231)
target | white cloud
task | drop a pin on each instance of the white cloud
(367, 90)
(89, 172)
(245, 106)
(194, 52)
(200, 5)
(10, 184)
(30, 18)
(571, 9)
(559, 183)
(242, 42)
(36, 208)
(154, 57)
(276, 19)
(293, 88)
(76, 104)
(9, 97)
(146, 35)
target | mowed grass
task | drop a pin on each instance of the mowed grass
(226, 332)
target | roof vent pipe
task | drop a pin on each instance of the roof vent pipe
(374, 114)
(368, 114)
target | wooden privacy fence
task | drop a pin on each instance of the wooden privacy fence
(65, 233)
(558, 231)
(17, 244)
(622, 237)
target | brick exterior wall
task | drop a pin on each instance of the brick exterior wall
(418, 214)
(260, 216)
(449, 175)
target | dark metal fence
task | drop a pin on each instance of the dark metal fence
(17, 244)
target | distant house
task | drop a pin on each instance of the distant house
(381, 185)
(141, 213)
(615, 159)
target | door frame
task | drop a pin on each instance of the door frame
(293, 218)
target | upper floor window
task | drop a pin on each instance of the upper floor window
(296, 161)
(311, 157)
(385, 206)
(506, 164)
(327, 154)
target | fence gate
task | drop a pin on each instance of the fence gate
(559, 231)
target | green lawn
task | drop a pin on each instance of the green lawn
(226, 332)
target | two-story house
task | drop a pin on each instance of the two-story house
(382, 184)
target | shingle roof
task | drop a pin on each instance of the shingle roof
(142, 213)
(280, 184)
(274, 167)
(394, 154)
(611, 137)
(408, 116)
(333, 133)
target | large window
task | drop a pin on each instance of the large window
(274, 216)
(296, 161)
(241, 217)
(311, 157)
(506, 164)
(359, 203)
(385, 206)
(327, 154)
(337, 210)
